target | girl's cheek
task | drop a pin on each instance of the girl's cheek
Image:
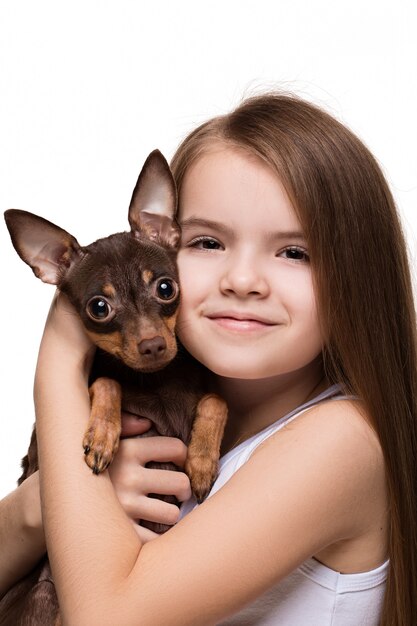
(193, 280)
(183, 270)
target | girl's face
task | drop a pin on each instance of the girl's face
(248, 308)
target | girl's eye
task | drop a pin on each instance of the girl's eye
(205, 243)
(295, 254)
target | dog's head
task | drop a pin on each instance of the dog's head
(125, 286)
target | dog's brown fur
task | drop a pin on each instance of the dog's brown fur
(136, 367)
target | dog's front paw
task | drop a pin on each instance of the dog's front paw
(204, 447)
(101, 438)
(100, 444)
(202, 471)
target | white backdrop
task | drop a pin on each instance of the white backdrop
(88, 88)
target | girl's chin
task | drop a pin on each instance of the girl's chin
(248, 367)
(240, 370)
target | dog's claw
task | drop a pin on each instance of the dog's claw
(200, 499)
(100, 445)
(201, 493)
(97, 462)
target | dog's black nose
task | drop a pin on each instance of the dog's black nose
(154, 347)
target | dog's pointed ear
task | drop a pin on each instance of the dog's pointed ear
(154, 203)
(46, 248)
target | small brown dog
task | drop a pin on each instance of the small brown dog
(125, 290)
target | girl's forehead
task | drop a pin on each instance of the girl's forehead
(227, 159)
(230, 184)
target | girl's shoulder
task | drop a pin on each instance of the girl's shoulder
(342, 420)
(338, 451)
(339, 428)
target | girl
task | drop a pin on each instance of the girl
(296, 295)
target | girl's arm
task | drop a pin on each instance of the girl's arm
(302, 490)
(21, 533)
(22, 537)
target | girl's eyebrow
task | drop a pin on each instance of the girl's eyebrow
(205, 223)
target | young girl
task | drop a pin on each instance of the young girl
(296, 295)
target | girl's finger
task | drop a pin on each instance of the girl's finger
(166, 482)
(145, 534)
(163, 449)
(142, 450)
(133, 425)
(154, 510)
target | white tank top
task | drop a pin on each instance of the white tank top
(313, 594)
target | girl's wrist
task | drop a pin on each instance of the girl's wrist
(22, 538)
(31, 504)
(28, 505)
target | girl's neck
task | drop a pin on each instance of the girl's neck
(255, 404)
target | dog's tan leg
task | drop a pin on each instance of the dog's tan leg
(101, 438)
(204, 449)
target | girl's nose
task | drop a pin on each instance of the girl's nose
(243, 277)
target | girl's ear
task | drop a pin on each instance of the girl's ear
(46, 248)
(154, 203)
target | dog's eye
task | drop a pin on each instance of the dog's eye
(166, 289)
(98, 309)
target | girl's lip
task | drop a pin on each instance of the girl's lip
(240, 317)
(238, 323)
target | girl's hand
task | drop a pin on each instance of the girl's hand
(133, 481)
(22, 539)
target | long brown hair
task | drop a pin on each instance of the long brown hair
(363, 288)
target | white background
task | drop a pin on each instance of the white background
(89, 88)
